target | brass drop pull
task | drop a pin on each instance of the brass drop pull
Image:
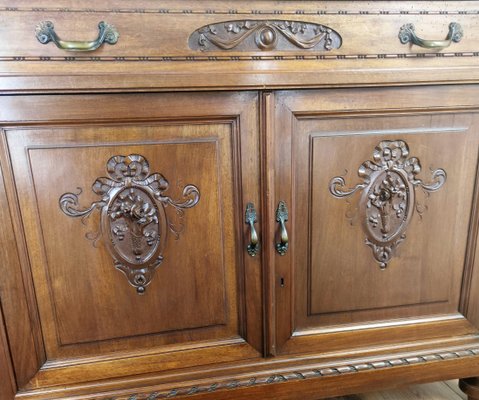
(407, 34)
(250, 216)
(108, 34)
(282, 217)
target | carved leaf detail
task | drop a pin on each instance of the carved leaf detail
(133, 215)
(250, 35)
(388, 195)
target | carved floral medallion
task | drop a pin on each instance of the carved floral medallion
(250, 35)
(134, 221)
(388, 198)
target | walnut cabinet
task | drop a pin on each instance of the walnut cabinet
(236, 200)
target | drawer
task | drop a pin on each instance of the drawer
(212, 31)
(233, 44)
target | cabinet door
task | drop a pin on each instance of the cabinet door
(380, 189)
(132, 216)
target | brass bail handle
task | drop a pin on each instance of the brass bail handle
(281, 218)
(250, 215)
(407, 34)
(45, 33)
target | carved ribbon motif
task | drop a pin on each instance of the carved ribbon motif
(248, 35)
(133, 215)
(388, 196)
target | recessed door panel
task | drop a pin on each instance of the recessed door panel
(95, 280)
(388, 250)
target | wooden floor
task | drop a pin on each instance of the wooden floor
(432, 391)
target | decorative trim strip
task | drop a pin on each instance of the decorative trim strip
(302, 375)
(305, 57)
(236, 11)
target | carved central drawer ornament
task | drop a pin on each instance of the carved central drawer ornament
(250, 35)
(388, 195)
(134, 221)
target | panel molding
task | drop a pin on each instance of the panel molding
(361, 186)
(361, 326)
(20, 312)
(468, 301)
(183, 141)
(8, 386)
(213, 58)
(305, 374)
(236, 11)
(253, 374)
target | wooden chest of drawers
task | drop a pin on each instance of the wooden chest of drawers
(236, 200)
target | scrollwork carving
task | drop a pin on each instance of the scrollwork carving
(388, 195)
(248, 35)
(133, 215)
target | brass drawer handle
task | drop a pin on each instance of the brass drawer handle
(282, 217)
(407, 34)
(250, 215)
(107, 34)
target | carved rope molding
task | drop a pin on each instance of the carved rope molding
(248, 35)
(388, 201)
(310, 373)
(134, 220)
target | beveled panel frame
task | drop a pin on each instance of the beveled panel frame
(220, 322)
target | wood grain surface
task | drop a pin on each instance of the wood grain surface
(87, 306)
(93, 323)
(331, 275)
(433, 391)
(130, 167)
(153, 46)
